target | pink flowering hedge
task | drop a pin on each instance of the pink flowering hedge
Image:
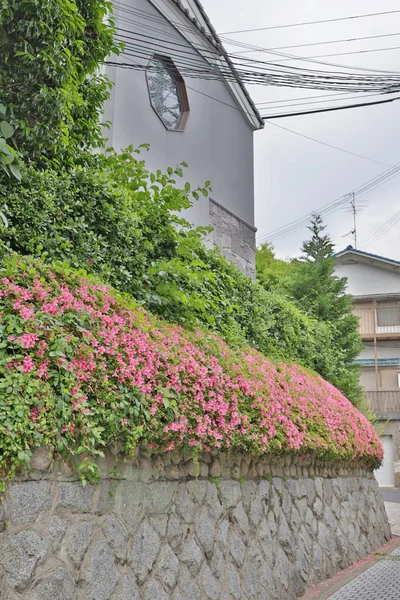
(82, 369)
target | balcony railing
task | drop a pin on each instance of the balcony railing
(384, 401)
(379, 321)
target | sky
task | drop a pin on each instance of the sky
(296, 176)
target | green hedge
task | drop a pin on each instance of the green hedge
(110, 216)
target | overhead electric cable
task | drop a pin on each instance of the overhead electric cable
(343, 96)
(326, 42)
(307, 137)
(178, 36)
(331, 109)
(332, 206)
(387, 226)
(301, 24)
(301, 98)
(368, 51)
(273, 75)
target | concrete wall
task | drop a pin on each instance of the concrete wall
(217, 142)
(369, 280)
(229, 528)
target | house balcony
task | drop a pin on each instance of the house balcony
(385, 403)
(379, 322)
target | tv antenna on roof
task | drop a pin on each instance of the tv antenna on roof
(354, 209)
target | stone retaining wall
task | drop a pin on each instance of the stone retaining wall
(228, 528)
(235, 238)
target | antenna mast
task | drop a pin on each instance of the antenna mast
(354, 209)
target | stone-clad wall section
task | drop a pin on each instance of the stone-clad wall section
(235, 238)
(161, 533)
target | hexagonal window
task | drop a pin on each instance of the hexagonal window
(167, 92)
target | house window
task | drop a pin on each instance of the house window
(167, 92)
(388, 314)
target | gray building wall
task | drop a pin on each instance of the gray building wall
(217, 142)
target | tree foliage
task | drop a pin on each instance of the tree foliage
(110, 216)
(310, 282)
(50, 54)
(106, 213)
(271, 271)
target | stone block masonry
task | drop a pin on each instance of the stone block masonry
(235, 238)
(227, 528)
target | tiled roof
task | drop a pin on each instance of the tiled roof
(361, 253)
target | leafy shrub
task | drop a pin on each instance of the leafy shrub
(51, 53)
(82, 369)
(8, 155)
(110, 216)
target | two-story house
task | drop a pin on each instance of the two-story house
(176, 89)
(374, 283)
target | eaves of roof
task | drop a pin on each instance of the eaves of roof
(214, 38)
(350, 251)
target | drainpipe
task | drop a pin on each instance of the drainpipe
(375, 347)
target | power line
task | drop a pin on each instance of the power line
(387, 226)
(187, 47)
(266, 118)
(343, 96)
(307, 137)
(331, 109)
(336, 205)
(364, 16)
(332, 206)
(251, 49)
(160, 20)
(273, 75)
(338, 54)
(280, 81)
(368, 37)
(190, 50)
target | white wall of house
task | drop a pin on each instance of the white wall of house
(386, 349)
(217, 142)
(368, 279)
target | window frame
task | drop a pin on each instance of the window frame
(181, 87)
(382, 315)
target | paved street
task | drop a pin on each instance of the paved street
(380, 582)
(391, 495)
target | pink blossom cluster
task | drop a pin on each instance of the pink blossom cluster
(118, 368)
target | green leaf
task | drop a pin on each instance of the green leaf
(15, 170)
(4, 219)
(6, 129)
